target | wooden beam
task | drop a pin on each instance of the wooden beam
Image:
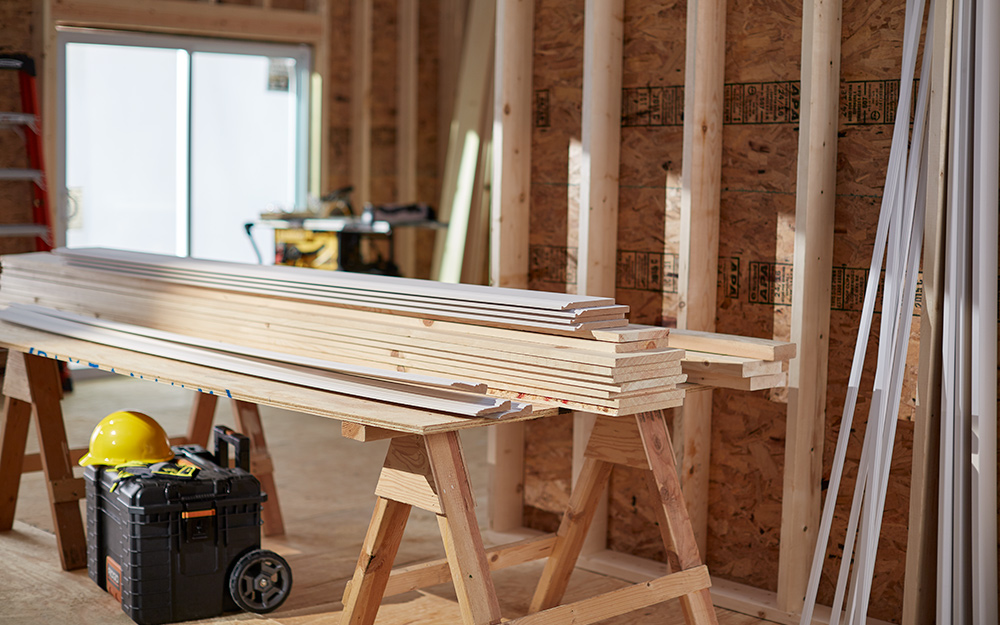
(408, 48)
(451, 26)
(385, 532)
(986, 153)
(920, 579)
(598, 219)
(361, 102)
(601, 132)
(13, 438)
(463, 544)
(701, 181)
(175, 16)
(615, 602)
(458, 177)
(475, 257)
(814, 220)
(434, 572)
(511, 184)
(510, 197)
(320, 149)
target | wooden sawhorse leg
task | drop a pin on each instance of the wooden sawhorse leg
(32, 384)
(247, 417)
(643, 443)
(427, 472)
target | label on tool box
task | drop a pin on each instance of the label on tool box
(113, 575)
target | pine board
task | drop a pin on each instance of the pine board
(255, 390)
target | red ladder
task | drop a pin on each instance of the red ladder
(29, 120)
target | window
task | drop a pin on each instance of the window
(172, 144)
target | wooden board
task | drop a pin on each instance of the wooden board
(253, 390)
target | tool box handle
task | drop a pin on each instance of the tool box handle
(225, 436)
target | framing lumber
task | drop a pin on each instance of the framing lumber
(511, 182)
(511, 193)
(920, 580)
(703, 363)
(601, 137)
(459, 173)
(731, 344)
(701, 180)
(407, 105)
(451, 29)
(361, 101)
(385, 532)
(115, 259)
(475, 267)
(434, 572)
(384, 392)
(814, 218)
(598, 219)
(256, 390)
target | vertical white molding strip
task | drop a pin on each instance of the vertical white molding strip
(985, 200)
(921, 545)
(511, 199)
(815, 202)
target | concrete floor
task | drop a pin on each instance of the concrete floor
(326, 486)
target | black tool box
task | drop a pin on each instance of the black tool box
(175, 544)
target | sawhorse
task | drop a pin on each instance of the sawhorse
(429, 472)
(32, 386)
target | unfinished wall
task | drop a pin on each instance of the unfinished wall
(555, 201)
(760, 142)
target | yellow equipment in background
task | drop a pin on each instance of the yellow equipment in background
(307, 248)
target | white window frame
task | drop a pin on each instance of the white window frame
(302, 54)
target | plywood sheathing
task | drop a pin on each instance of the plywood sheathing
(756, 245)
(384, 87)
(546, 481)
(558, 99)
(337, 96)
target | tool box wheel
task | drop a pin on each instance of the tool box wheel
(260, 581)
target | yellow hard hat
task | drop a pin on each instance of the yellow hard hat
(127, 437)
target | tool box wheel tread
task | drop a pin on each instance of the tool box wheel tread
(261, 581)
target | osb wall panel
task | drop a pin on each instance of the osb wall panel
(384, 87)
(652, 144)
(555, 197)
(760, 147)
(760, 143)
(384, 139)
(651, 148)
(337, 97)
(558, 100)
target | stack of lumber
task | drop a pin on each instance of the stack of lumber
(736, 362)
(515, 308)
(535, 348)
